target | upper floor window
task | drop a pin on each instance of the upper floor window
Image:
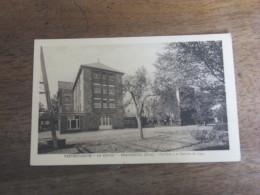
(112, 103)
(104, 103)
(67, 99)
(96, 76)
(119, 76)
(97, 103)
(111, 89)
(104, 88)
(111, 78)
(104, 77)
(66, 108)
(97, 88)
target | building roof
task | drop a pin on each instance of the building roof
(65, 85)
(101, 66)
(96, 65)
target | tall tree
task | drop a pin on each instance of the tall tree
(139, 87)
(191, 64)
(204, 103)
(198, 64)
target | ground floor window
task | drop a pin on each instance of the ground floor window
(45, 122)
(105, 120)
(73, 122)
(128, 121)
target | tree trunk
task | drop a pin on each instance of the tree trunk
(178, 117)
(158, 121)
(140, 127)
(53, 133)
(54, 139)
(138, 118)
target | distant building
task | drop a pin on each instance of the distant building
(130, 117)
(94, 101)
(44, 121)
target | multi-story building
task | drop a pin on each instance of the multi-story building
(94, 101)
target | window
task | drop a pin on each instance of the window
(45, 122)
(104, 77)
(104, 88)
(111, 89)
(105, 120)
(97, 103)
(104, 103)
(97, 76)
(111, 78)
(67, 99)
(66, 108)
(112, 103)
(97, 88)
(73, 122)
(128, 121)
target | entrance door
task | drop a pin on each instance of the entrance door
(105, 122)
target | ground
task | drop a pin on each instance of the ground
(156, 139)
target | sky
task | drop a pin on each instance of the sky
(63, 62)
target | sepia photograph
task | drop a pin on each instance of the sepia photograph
(132, 97)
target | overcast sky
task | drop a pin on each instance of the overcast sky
(63, 62)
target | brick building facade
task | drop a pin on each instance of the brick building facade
(94, 101)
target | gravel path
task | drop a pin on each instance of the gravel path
(156, 139)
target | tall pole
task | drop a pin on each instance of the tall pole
(48, 100)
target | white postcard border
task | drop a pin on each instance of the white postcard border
(233, 154)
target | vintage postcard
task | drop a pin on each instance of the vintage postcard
(165, 99)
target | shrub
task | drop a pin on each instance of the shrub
(221, 126)
(205, 136)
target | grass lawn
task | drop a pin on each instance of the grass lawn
(156, 139)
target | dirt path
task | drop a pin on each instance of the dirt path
(157, 139)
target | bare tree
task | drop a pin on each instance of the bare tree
(139, 87)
